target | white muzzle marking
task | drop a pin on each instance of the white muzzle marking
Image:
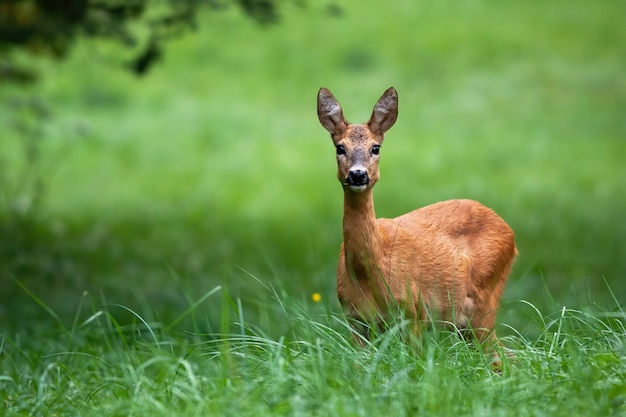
(358, 188)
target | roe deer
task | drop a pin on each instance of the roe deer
(449, 260)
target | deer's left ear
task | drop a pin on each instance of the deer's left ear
(385, 112)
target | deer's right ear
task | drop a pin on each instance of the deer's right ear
(330, 113)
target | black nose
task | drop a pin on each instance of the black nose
(358, 177)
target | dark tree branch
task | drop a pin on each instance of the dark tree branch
(50, 27)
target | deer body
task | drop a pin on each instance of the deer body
(447, 261)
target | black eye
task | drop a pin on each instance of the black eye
(375, 149)
(341, 150)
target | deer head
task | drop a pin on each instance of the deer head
(358, 146)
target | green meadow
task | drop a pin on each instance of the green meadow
(161, 237)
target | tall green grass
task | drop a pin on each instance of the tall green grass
(306, 364)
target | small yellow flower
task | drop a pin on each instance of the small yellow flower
(316, 297)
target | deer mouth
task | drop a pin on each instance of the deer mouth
(358, 188)
(354, 187)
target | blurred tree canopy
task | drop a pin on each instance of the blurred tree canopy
(51, 27)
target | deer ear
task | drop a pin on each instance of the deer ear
(330, 113)
(385, 112)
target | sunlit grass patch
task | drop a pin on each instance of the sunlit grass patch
(307, 365)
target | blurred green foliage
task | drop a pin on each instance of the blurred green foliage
(213, 169)
(51, 27)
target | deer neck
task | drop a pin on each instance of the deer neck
(361, 239)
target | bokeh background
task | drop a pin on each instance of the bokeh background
(212, 169)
